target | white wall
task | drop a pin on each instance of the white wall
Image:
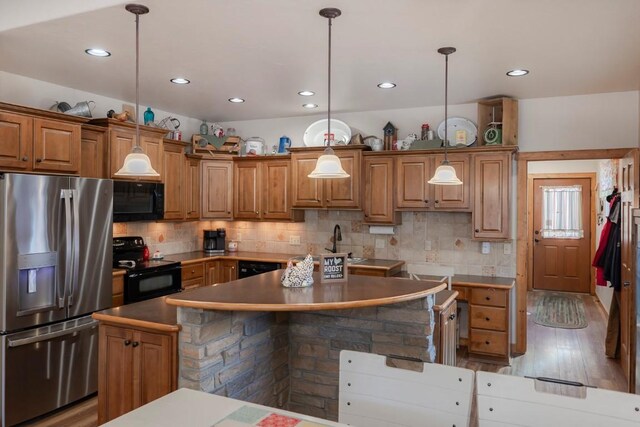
(16, 89)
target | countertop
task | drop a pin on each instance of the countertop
(152, 314)
(444, 299)
(470, 280)
(200, 256)
(265, 293)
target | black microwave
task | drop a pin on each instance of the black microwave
(137, 201)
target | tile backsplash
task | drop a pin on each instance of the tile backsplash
(432, 237)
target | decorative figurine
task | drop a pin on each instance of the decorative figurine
(390, 136)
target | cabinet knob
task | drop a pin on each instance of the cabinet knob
(477, 231)
(486, 342)
(426, 201)
(25, 159)
(135, 344)
(228, 212)
(487, 298)
(626, 284)
(127, 342)
(193, 271)
(38, 160)
(437, 201)
(487, 319)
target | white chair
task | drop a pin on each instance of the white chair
(508, 400)
(443, 271)
(373, 394)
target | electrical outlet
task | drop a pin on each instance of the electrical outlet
(294, 240)
(427, 245)
(239, 237)
(507, 249)
(380, 243)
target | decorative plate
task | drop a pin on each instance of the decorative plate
(314, 135)
(459, 124)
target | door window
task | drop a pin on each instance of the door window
(562, 212)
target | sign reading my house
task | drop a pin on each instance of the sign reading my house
(333, 268)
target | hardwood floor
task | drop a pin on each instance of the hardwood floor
(568, 354)
(83, 414)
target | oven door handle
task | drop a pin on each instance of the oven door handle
(45, 337)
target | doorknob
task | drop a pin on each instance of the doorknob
(537, 232)
(626, 284)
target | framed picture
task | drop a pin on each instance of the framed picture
(333, 268)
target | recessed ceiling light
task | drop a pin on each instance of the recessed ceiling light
(386, 85)
(236, 100)
(180, 81)
(306, 93)
(97, 52)
(310, 105)
(517, 73)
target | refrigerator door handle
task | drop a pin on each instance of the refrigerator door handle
(45, 337)
(66, 197)
(76, 245)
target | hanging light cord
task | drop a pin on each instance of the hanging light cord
(446, 103)
(329, 90)
(137, 77)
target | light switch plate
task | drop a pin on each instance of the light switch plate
(507, 249)
(486, 247)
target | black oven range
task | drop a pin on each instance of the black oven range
(144, 279)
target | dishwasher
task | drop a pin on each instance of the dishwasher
(252, 268)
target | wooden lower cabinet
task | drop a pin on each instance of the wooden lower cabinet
(136, 366)
(489, 323)
(228, 270)
(117, 298)
(193, 275)
(205, 273)
(444, 334)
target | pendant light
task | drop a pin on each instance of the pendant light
(445, 173)
(137, 163)
(328, 165)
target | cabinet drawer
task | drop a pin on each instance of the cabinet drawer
(193, 283)
(488, 342)
(489, 296)
(193, 271)
(494, 318)
(463, 292)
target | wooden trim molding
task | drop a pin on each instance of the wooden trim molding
(605, 153)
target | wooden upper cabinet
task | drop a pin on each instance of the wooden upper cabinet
(174, 194)
(93, 162)
(339, 193)
(492, 177)
(262, 189)
(276, 188)
(454, 197)
(192, 193)
(246, 203)
(16, 139)
(120, 143)
(344, 193)
(217, 189)
(307, 192)
(56, 146)
(152, 145)
(412, 190)
(33, 140)
(379, 191)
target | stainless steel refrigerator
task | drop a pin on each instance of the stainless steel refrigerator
(55, 270)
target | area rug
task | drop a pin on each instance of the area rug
(559, 310)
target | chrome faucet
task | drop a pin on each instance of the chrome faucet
(337, 237)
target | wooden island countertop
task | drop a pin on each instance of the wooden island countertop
(265, 293)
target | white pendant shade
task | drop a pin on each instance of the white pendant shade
(137, 164)
(445, 175)
(328, 166)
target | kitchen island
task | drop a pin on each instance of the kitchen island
(254, 340)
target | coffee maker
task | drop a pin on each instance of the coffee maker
(214, 241)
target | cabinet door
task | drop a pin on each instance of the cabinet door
(212, 272)
(153, 147)
(447, 350)
(192, 193)
(93, 162)
(246, 203)
(217, 189)
(152, 364)
(174, 196)
(117, 293)
(16, 139)
(229, 271)
(120, 143)
(56, 146)
(115, 375)
(379, 190)
(345, 192)
(491, 196)
(412, 190)
(306, 192)
(454, 197)
(276, 185)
